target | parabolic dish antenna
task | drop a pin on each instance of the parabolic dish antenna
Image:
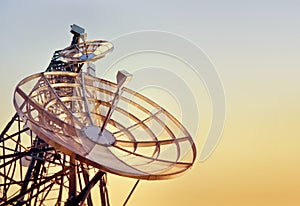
(77, 127)
(141, 139)
(86, 51)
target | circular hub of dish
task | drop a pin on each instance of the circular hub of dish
(94, 133)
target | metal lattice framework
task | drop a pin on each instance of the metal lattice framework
(34, 173)
(72, 127)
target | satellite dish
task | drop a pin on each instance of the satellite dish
(83, 127)
(89, 51)
(139, 139)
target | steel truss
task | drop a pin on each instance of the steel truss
(34, 173)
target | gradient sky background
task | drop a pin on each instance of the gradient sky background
(255, 46)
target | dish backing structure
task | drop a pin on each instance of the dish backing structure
(72, 128)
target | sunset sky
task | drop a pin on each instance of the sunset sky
(254, 47)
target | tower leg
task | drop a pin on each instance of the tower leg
(72, 181)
